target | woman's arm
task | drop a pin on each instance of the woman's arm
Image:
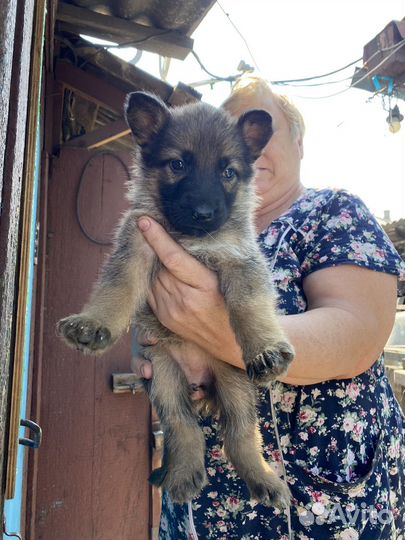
(350, 315)
(349, 318)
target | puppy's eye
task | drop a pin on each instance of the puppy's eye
(177, 165)
(229, 173)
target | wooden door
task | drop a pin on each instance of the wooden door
(90, 477)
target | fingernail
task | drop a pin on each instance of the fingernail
(144, 224)
(142, 370)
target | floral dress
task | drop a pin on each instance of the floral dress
(342, 441)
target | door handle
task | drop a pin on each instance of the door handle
(37, 431)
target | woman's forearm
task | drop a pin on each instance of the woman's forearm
(330, 343)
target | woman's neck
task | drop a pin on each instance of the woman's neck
(267, 213)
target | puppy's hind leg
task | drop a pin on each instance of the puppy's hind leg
(242, 439)
(183, 470)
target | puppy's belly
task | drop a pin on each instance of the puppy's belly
(194, 361)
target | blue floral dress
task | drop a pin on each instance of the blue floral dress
(342, 441)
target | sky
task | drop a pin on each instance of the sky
(347, 142)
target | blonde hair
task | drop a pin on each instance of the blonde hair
(250, 88)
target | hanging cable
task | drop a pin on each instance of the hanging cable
(230, 78)
(241, 35)
(373, 70)
(292, 85)
(318, 76)
(79, 189)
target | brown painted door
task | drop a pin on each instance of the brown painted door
(90, 476)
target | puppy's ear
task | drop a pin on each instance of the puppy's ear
(256, 128)
(146, 115)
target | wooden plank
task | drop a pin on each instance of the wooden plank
(117, 72)
(183, 94)
(89, 86)
(26, 235)
(10, 217)
(49, 34)
(101, 136)
(53, 114)
(165, 42)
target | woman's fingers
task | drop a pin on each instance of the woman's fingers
(179, 263)
(141, 367)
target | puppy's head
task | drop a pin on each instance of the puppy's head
(199, 157)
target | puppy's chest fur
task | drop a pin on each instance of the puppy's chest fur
(221, 253)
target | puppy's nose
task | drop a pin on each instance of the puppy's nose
(203, 213)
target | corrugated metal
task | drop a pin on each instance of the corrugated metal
(181, 15)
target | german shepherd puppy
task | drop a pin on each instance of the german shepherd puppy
(193, 174)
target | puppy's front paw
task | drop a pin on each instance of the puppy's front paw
(85, 334)
(271, 363)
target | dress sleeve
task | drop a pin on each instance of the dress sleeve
(345, 232)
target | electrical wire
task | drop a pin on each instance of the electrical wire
(356, 83)
(230, 78)
(317, 76)
(289, 82)
(241, 35)
(318, 84)
(386, 49)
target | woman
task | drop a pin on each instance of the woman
(332, 425)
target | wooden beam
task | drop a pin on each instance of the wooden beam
(53, 113)
(183, 94)
(90, 86)
(101, 136)
(165, 42)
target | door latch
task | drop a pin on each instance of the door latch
(126, 383)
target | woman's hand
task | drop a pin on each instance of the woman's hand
(186, 297)
(140, 365)
(189, 356)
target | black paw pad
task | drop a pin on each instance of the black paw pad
(86, 335)
(271, 363)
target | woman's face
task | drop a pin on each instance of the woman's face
(278, 167)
